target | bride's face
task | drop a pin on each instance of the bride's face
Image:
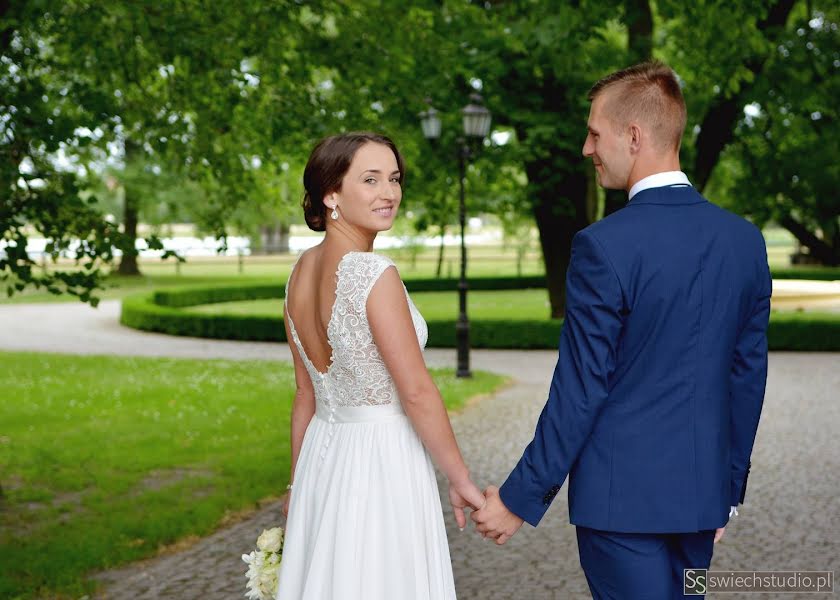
(370, 191)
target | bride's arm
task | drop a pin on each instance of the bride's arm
(304, 405)
(395, 338)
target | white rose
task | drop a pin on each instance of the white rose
(271, 540)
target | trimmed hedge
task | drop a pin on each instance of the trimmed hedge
(160, 311)
(193, 296)
(484, 284)
(812, 273)
(499, 334)
(804, 332)
(141, 312)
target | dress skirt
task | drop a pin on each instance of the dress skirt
(365, 519)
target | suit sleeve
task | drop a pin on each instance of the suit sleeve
(747, 382)
(580, 385)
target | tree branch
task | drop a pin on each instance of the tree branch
(820, 250)
(717, 128)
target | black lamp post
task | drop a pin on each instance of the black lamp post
(476, 127)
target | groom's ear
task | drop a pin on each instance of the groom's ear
(635, 136)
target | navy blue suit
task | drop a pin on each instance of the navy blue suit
(656, 397)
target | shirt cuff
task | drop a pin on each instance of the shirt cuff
(733, 511)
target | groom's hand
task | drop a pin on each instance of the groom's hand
(495, 521)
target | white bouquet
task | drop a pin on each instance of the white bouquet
(264, 564)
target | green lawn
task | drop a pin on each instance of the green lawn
(502, 304)
(106, 459)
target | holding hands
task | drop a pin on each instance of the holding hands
(492, 518)
(464, 494)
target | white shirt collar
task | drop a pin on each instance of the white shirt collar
(659, 180)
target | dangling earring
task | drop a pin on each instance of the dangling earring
(334, 213)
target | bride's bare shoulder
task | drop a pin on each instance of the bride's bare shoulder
(307, 261)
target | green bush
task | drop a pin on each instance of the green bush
(522, 335)
(804, 332)
(477, 284)
(180, 297)
(161, 312)
(813, 273)
(141, 312)
(800, 332)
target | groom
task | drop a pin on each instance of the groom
(656, 397)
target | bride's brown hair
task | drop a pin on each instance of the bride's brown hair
(327, 166)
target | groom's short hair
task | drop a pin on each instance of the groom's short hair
(650, 93)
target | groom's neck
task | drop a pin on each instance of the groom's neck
(651, 165)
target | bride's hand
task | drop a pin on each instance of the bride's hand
(463, 495)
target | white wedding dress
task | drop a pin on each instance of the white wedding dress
(365, 519)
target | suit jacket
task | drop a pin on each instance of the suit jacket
(656, 397)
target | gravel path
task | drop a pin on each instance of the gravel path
(791, 519)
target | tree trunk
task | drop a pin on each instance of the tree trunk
(5, 34)
(557, 182)
(131, 215)
(275, 238)
(439, 270)
(560, 214)
(614, 200)
(128, 263)
(639, 30)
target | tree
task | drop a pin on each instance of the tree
(45, 109)
(743, 53)
(274, 204)
(161, 196)
(776, 66)
(509, 51)
(720, 71)
(149, 60)
(203, 87)
(212, 89)
(786, 145)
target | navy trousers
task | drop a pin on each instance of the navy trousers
(641, 566)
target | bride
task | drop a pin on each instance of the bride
(364, 514)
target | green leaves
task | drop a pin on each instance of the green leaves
(163, 91)
(783, 166)
(196, 106)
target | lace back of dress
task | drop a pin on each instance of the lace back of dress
(357, 375)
